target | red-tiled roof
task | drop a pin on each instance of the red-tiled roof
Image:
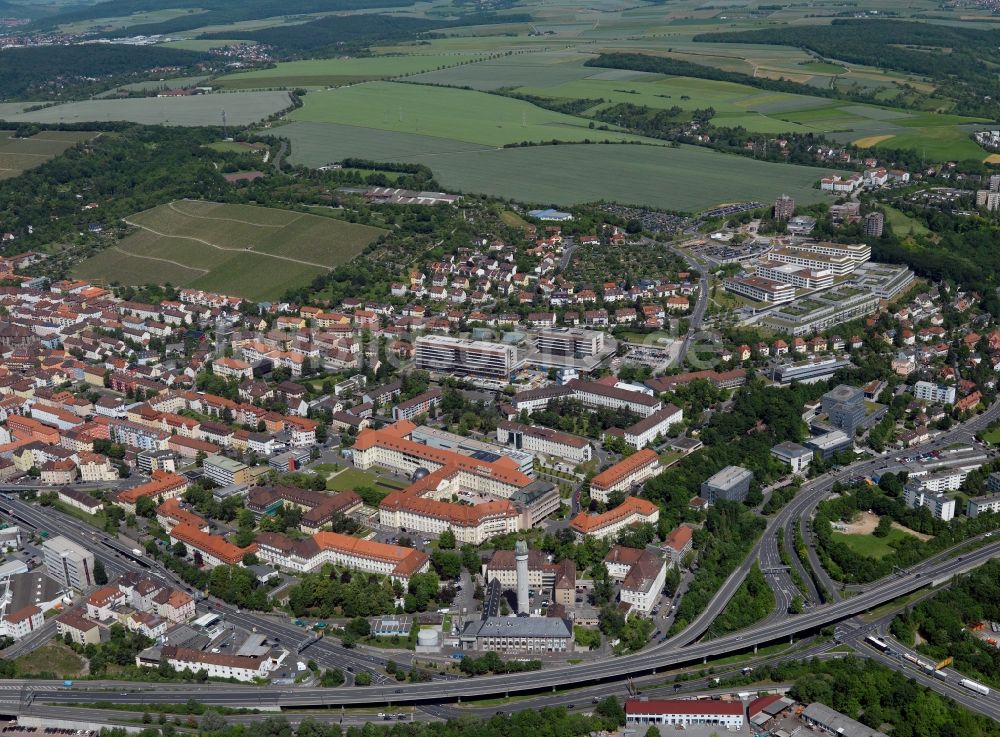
(624, 468)
(683, 706)
(585, 523)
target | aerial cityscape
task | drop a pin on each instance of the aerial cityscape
(499, 368)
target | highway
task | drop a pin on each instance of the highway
(112, 554)
(681, 649)
(652, 659)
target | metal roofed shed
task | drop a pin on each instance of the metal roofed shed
(834, 722)
(254, 646)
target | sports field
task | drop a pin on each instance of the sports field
(241, 109)
(440, 112)
(20, 154)
(255, 252)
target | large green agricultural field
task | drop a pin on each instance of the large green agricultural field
(443, 112)
(525, 67)
(156, 84)
(255, 252)
(318, 144)
(562, 75)
(688, 178)
(245, 108)
(335, 72)
(20, 154)
(685, 178)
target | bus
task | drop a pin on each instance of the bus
(877, 643)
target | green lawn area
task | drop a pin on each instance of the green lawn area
(323, 468)
(939, 142)
(94, 520)
(902, 224)
(54, 657)
(869, 545)
(351, 478)
(992, 437)
(670, 456)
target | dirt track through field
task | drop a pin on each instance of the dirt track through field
(325, 267)
(154, 258)
(173, 206)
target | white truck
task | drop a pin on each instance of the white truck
(977, 687)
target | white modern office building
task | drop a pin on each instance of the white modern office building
(462, 357)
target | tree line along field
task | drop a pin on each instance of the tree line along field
(244, 108)
(20, 154)
(255, 252)
(335, 72)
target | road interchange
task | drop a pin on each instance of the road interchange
(682, 649)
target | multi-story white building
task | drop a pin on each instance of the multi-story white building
(936, 393)
(597, 394)
(941, 506)
(570, 342)
(625, 474)
(646, 430)
(345, 551)
(438, 476)
(216, 665)
(681, 713)
(795, 456)
(630, 512)
(760, 289)
(458, 356)
(985, 504)
(838, 264)
(678, 543)
(95, 467)
(68, 563)
(544, 441)
(883, 280)
(822, 310)
(841, 184)
(858, 252)
(101, 604)
(21, 623)
(642, 575)
(232, 367)
(800, 277)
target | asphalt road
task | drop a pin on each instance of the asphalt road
(677, 651)
(652, 659)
